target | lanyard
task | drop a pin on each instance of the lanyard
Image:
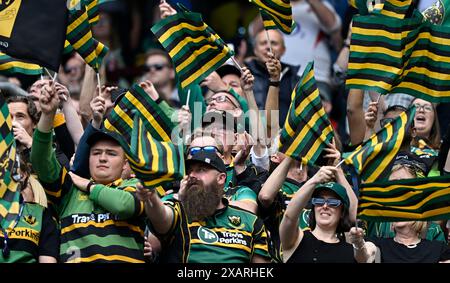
(5, 250)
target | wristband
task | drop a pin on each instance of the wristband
(274, 83)
(88, 187)
(158, 100)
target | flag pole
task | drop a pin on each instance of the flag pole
(339, 164)
(236, 64)
(187, 99)
(48, 73)
(378, 100)
(99, 84)
(268, 41)
(54, 78)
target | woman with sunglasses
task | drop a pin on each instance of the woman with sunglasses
(329, 219)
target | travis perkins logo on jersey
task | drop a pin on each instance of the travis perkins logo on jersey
(99, 218)
(208, 236)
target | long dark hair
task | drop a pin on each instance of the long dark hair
(344, 224)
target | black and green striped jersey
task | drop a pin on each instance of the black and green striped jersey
(105, 226)
(34, 235)
(231, 235)
(274, 214)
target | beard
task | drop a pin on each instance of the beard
(200, 200)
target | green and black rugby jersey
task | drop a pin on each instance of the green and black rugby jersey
(106, 225)
(231, 235)
(34, 235)
(273, 215)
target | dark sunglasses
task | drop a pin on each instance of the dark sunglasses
(332, 202)
(156, 67)
(196, 149)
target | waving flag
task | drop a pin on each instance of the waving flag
(9, 193)
(422, 199)
(33, 31)
(154, 162)
(276, 14)
(79, 34)
(307, 129)
(9, 65)
(120, 119)
(391, 55)
(372, 159)
(196, 50)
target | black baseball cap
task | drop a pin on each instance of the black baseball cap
(104, 134)
(228, 69)
(208, 158)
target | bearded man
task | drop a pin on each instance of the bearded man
(201, 226)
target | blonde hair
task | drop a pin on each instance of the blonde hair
(419, 227)
(38, 191)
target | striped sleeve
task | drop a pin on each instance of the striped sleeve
(260, 244)
(51, 174)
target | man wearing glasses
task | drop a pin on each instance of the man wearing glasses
(201, 226)
(159, 71)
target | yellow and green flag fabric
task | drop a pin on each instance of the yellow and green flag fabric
(9, 193)
(307, 129)
(9, 65)
(136, 100)
(154, 162)
(392, 55)
(276, 14)
(423, 199)
(82, 15)
(373, 158)
(196, 50)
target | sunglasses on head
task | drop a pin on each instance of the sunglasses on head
(156, 67)
(332, 202)
(196, 149)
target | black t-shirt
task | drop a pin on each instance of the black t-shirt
(312, 250)
(425, 252)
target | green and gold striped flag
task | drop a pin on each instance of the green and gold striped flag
(307, 129)
(373, 158)
(9, 193)
(390, 55)
(396, 8)
(276, 14)
(9, 65)
(154, 162)
(196, 50)
(424, 199)
(79, 35)
(120, 119)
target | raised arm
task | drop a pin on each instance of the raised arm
(355, 115)
(272, 100)
(86, 95)
(160, 215)
(273, 184)
(290, 234)
(70, 114)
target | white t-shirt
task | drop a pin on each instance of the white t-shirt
(308, 42)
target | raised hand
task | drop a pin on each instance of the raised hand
(273, 66)
(324, 175)
(98, 107)
(150, 89)
(247, 79)
(332, 153)
(166, 10)
(371, 114)
(214, 82)
(48, 100)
